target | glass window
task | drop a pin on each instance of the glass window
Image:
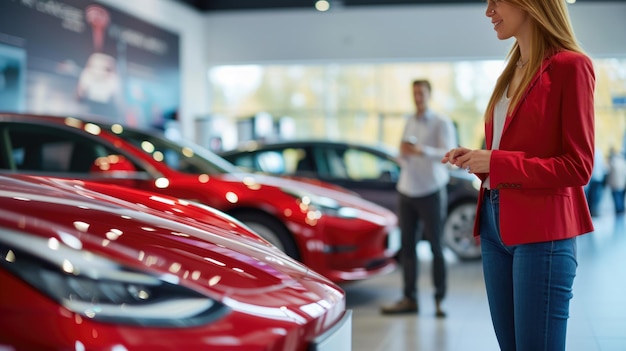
(367, 102)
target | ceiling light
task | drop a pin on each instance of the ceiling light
(322, 5)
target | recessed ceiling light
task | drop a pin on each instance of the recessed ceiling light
(322, 5)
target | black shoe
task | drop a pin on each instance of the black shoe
(405, 305)
(439, 313)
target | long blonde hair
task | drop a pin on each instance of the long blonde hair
(551, 32)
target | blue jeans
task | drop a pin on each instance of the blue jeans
(529, 286)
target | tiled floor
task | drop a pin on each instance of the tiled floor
(597, 312)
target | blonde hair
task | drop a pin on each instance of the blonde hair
(551, 32)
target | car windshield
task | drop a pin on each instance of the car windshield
(183, 156)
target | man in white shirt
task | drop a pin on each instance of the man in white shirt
(423, 196)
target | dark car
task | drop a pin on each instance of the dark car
(371, 171)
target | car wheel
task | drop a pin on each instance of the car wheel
(271, 230)
(458, 231)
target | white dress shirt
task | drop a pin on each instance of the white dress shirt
(423, 175)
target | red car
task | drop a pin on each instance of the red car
(336, 233)
(96, 267)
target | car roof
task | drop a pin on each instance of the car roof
(15, 116)
(381, 149)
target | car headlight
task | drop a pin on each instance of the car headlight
(101, 289)
(324, 204)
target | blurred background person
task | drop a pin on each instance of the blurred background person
(616, 179)
(422, 196)
(597, 184)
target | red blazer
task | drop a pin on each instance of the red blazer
(545, 156)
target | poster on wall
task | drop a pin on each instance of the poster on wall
(82, 58)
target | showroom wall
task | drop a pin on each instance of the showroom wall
(361, 34)
(390, 33)
(189, 24)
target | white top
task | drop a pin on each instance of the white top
(499, 117)
(425, 174)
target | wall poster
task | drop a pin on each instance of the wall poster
(81, 58)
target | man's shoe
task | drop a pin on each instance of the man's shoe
(439, 312)
(405, 305)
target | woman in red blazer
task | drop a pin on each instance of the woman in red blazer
(539, 128)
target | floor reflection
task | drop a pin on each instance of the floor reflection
(597, 313)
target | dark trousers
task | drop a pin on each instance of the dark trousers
(429, 211)
(594, 191)
(618, 200)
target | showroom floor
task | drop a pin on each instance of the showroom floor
(597, 313)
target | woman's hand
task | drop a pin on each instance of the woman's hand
(474, 161)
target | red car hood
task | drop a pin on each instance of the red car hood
(203, 249)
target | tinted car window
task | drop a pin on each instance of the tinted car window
(362, 165)
(299, 161)
(280, 161)
(247, 161)
(52, 150)
(180, 156)
(293, 158)
(330, 163)
(271, 161)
